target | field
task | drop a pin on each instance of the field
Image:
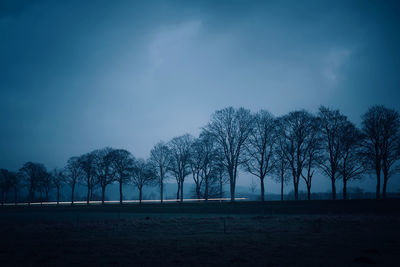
(303, 233)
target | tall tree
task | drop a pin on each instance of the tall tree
(281, 166)
(350, 165)
(196, 165)
(231, 127)
(58, 181)
(104, 171)
(294, 130)
(390, 145)
(33, 173)
(123, 163)
(73, 173)
(160, 159)
(180, 160)
(142, 175)
(260, 146)
(332, 128)
(87, 164)
(313, 153)
(381, 127)
(5, 184)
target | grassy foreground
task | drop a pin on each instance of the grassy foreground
(290, 233)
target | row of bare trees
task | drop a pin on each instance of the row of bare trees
(290, 148)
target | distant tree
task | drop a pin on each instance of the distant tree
(221, 173)
(294, 131)
(253, 186)
(5, 184)
(87, 164)
(313, 153)
(381, 128)
(142, 175)
(47, 184)
(231, 127)
(180, 163)
(33, 173)
(196, 165)
(160, 159)
(259, 147)
(123, 163)
(350, 165)
(15, 184)
(332, 128)
(104, 172)
(73, 173)
(58, 181)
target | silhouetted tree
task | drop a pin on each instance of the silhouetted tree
(33, 173)
(142, 174)
(5, 184)
(47, 184)
(160, 159)
(294, 130)
(313, 153)
(350, 165)
(87, 164)
(73, 173)
(180, 160)
(104, 172)
(58, 181)
(332, 128)
(196, 165)
(123, 163)
(231, 127)
(281, 167)
(260, 146)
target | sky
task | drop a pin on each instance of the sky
(81, 75)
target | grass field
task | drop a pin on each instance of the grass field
(302, 233)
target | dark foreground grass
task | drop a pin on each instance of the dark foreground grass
(317, 233)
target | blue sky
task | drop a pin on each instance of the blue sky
(79, 75)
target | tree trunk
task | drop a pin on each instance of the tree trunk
(72, 194)
(41, 200)
(309, 192)
(198, 194)
(333, 189)
(58, 195)
(262, 189)
(206, 190)
(385, 179)
(182, 191)
(220, 188)
(378, 184)
(103, 191)
(344, 189)
(140, 195)
(296, 191)
(161, 190)
(232, 191)
(15, 195)
(282, 181)
(177, 192)
(88, 195)
(47, 195)
(120, 192)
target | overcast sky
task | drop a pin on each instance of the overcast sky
(80, 75)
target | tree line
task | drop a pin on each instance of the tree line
(289, 149)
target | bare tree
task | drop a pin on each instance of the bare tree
(123, 163)
(33, 173)
(73, 173)
(47, 184)
(313, 156)
(160, 159)
(281, 166)
(390, 145)
(350, 165)
(381, 128)
(5, 184)
(196, 165)
(142, 174)
(87, 164)
(104, 171)
(294, 130)
(58, 181)
(260, 146)
(180, 163)
(253, 186)
(332, 127)
(231, 127)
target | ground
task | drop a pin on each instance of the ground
(303, 233)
